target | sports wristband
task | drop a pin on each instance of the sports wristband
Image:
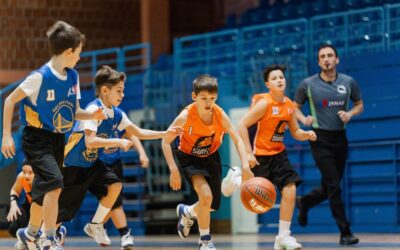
(13, 197)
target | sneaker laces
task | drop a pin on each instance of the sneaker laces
(188, 222)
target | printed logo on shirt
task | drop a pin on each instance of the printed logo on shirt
(91, 154)
(332, 103)
(275, 110)
(63, 117)
(72, 91)
(341, 89)
(279, 132)
(203, 145)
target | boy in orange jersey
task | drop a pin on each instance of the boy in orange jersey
(19, 216)
(204, 125)
(272, 112)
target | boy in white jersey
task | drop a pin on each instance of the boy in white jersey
(50, 104)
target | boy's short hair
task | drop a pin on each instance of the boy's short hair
(273, 67)
(106, 76)
(325, 45)
(62, 36)
(205, 82)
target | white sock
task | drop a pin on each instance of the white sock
(100, 214)
(191, 211)
(284, 226)
(204, 231)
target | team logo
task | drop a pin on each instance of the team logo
(279, 132)
(275, 110)
(63, 117)
(72, 91)
(341, 89)
(90, 154)
(203, 145)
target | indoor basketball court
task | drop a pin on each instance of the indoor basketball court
(233, 242)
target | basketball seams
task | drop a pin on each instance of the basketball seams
(253, 196)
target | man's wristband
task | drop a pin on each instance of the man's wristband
(13, 197)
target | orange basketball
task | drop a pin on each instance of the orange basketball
(258, 195)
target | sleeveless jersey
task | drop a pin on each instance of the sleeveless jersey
(271, 127)
(56, 103)
(199, 139)
(27, 188)
(76, 153)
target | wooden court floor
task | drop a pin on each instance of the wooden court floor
(234, 242)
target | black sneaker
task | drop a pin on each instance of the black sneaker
(349, 239)
(302, 218)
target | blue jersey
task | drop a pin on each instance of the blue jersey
(56, 102)
(111, 155)
(76, 152)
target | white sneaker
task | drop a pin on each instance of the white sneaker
(286, 242)
(206, 245)
(184, 221)
(232, 181)
(127, 241)
(20, 246)
(98, 233)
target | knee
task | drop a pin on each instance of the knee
(289, 192)
(205, 200)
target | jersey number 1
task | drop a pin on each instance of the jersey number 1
(50, 95)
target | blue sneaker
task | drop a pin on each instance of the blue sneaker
(184, 221)
(51, 243)
(31, 243)
(62, 233)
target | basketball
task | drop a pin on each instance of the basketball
(258, 195)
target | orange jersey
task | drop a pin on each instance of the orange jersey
(27, 188)
(271, 127)
(199, 139)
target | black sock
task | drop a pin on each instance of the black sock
(123, 231)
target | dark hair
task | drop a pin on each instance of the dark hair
(205, 82)
(62, 36)
(106, 76)
(273, 67)
(323, 46)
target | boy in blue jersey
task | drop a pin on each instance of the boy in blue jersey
(88, 140)
(49, 105)
(112, 160)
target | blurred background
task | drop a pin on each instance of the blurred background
(162, 45)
